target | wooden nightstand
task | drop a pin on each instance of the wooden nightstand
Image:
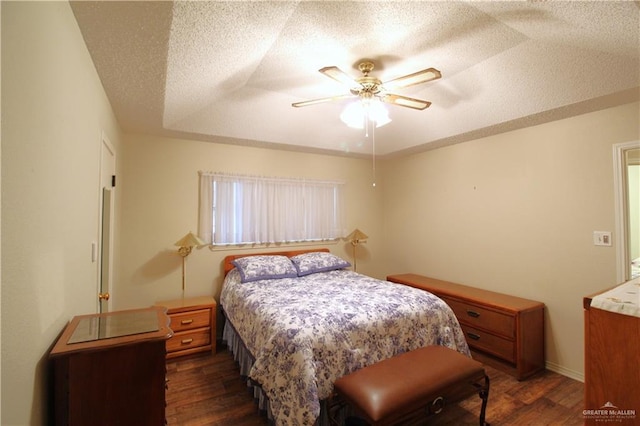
(193, 321)
(506, 332)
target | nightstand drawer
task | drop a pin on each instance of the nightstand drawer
(193, 321)
(190, 320)
(486, 319)
(490, 343)
(189, 339)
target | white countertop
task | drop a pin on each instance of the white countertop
(623, 299)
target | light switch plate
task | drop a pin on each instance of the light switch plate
(601, 238)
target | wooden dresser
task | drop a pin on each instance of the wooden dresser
(193, 321)
(503, 331)
(109, 369)
(612, 364)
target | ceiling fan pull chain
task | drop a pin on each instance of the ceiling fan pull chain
(366, 122)
(373, 153)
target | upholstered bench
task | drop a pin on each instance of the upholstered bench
(413, 385)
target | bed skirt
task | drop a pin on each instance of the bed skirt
(245, 361)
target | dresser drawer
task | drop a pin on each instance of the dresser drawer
(189, 320)
(505, 331)
(189, 339)
(495, 345)
(480, 317)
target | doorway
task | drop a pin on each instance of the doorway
(627, 194)
(107, 201)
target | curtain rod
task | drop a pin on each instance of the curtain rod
(273, 178)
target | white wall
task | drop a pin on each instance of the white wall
(159, 190)
(53, 113)
(515, 213)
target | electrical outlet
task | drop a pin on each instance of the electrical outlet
(601, 238)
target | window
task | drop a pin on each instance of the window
(238, 209)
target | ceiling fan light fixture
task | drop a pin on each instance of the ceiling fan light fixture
(356, 113)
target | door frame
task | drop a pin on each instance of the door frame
(623, 260)
(107, 170)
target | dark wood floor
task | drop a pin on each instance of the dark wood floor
(207, 390)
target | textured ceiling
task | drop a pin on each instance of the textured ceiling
(229, 71)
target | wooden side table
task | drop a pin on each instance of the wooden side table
(193, 321)
(109, 369)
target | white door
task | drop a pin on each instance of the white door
(107, 199)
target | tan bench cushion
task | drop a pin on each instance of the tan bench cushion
(407, 382)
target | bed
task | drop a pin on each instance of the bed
(294, 332)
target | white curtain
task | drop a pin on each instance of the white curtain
(205, 213)
(238, 209)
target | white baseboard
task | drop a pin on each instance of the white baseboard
(576, 375)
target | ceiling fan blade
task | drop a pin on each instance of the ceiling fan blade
(411, 79)
(340, 76)
(405, 101)
(321, 100)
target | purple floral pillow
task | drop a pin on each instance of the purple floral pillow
(317, 261)
(267, 267)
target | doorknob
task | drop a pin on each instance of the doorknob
(103, 296)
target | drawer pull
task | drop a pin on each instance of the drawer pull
(187, 321)
(186, 341)
(473, 314)
(473, 336)
(437, 405)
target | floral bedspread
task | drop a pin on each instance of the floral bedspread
(306, 332)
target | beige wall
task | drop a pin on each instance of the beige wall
(159, 194)
(53, 113)
(515, 213)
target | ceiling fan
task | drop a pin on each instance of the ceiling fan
(367, 87)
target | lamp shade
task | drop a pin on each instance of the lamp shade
(189, 240)
(357, 237)
(356, 113)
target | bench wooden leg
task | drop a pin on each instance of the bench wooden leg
(483, 392)
(336, 407)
